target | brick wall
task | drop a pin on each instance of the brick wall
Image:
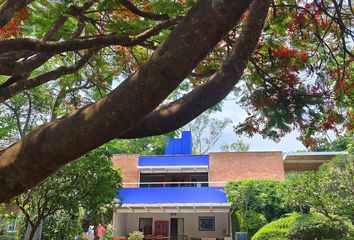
(243, 165)
(128, 163)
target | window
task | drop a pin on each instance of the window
(145, 225)
(206, 223)
(11, 227)
(148, 179)
(200, 178)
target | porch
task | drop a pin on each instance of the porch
(176, 213)
(177, 224)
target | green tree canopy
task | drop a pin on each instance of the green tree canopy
(255, 203)
(90, 183)
(77, 74)
(329, 191)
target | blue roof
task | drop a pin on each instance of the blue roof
(164, 195)
(182, 160)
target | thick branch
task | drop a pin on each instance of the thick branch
(153, 16)
(19, 70)
(26, 84)
(178, 113)
(83, 43)
(45, 149)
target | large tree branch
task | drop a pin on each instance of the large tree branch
(21, 69)
(48, 147)
(83, 43)
(26, 84)
(178, 113)
(153, 16)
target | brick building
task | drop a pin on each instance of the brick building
(180, 195)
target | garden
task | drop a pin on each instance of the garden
(304, 206)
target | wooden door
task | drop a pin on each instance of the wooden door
(161, 228)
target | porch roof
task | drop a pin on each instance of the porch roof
(172, 195)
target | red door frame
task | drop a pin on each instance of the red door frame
(165, 223)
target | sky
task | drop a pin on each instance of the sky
(288, 143)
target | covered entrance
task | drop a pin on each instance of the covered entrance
(173, 213)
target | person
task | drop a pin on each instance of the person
(100, 231)
(90, 233)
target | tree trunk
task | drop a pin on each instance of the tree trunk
(31, 231)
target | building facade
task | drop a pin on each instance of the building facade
(180, 195)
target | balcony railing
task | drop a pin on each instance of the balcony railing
(172, 184)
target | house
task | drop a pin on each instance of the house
(180, 195)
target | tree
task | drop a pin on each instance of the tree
(89, 182)
(76, 50)
(255, 203)
(238, 146)
(206, 131)
(330, 191)
(343, 143)
(144, 146)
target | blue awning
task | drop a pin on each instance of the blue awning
(172, 160)
(172, 195)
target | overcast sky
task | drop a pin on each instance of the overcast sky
(257, 143)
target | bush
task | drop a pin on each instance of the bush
(108, 234)
(316, 226)
(304, 227)
(250, 221)
(276, 230)
(136, 235)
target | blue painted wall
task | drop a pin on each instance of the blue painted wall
(181, 145)
(184, 160)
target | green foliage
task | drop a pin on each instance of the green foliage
(328, 191)
(317, 226)
(206, 131)
(238, 146)
(136, 235)
(256, 202)
(276, 230)
(145, 146)
(90, 183)
(343, 143)
(304, 227)
(61, 226)
(250, 221)
(108, 234)
(7, 217)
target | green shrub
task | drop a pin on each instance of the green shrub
(276, 230)
(136, 235)
(316, 226)
(108, 234)
(250, 221)
(305, 227)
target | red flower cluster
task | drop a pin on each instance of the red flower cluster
(13, 28)
(283, 51)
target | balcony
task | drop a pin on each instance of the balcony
(172, 184)
(174, 180)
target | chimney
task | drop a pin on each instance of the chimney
(181, 145)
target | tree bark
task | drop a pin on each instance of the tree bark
(48, 147)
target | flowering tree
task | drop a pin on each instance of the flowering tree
(71, 53)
